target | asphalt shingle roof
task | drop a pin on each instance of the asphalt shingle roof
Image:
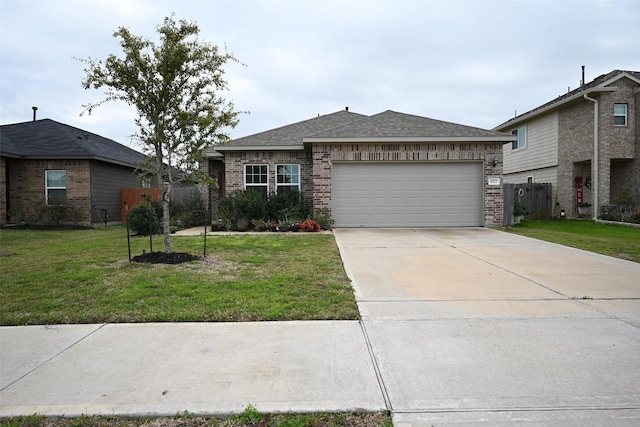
(48, 139)
(345, 124)
(292, 134)
(391, 124)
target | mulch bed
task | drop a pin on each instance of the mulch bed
(166, 258)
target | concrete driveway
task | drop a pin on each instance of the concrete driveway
(480, 326)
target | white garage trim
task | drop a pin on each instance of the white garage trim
(431, 194)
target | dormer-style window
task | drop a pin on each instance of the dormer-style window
(620, 114)
(521, 142)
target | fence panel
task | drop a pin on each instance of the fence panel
(535, 197)
(134, 196)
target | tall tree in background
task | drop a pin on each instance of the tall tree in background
(175, 88)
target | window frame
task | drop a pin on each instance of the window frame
(624, 116)
(295, 185)
(521, 133)
(48, 187)
(252, 186)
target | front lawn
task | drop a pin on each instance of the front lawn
(613, 240)
(53, 277)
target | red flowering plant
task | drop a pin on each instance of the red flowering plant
(310, 225)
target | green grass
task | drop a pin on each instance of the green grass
(252, 419)
(613, 240)
(84, 276)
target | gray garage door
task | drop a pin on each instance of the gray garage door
(407, 194)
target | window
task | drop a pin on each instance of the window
(521, 142)
(56, 187)
(620, 114)
(256, 178)
(287, 178)
(530, 179)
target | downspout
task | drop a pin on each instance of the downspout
(594, 167)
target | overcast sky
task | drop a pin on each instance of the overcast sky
(470, 62)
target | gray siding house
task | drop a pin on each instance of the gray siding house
(46, 162)
(586, 143)
(387, 170)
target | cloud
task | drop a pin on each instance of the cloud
(473, 63)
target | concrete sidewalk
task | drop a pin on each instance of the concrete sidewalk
(206, 368)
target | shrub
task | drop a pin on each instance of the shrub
(253, 206)
(324, 218)
(187, 208)
(247, 205)
(48, 215)
(145, 217)
(310, 225)
(287, 205)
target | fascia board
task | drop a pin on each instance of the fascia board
(259, 148)
(464, 139)
(532, 114)
(90, 158)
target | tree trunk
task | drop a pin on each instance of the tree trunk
(166, 219)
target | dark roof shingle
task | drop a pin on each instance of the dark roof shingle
(391, 124)
(292, 134)
(48, 139)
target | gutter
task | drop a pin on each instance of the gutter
(594, 166)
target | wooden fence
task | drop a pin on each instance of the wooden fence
(134, 196)
(536, 198)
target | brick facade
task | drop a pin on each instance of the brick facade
(3, 192)
(618, 147)
(325, 154)
(235, 161)
(315, 167)
(26, 186)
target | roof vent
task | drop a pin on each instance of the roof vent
(346, 108)
(34, 112)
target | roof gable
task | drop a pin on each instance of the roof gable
(49, 139)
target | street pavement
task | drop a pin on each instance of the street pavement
(465, 326)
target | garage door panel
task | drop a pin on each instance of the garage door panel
(407, 194)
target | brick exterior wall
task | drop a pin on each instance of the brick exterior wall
(3, 191)
(325, 154)
(27, 184)
(618, 147)
(235, 161)
(315, 167)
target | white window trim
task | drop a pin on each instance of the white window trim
(46, 183)
(530, 179)
(278, 185)
(625, 115)
(521, 132)
(266, 185)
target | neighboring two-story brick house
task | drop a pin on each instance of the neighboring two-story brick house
(44, 162)
(586, 143)
(386, 170)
